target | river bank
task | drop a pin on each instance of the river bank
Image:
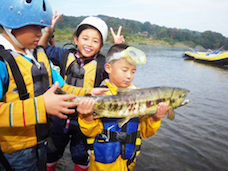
(133, 39)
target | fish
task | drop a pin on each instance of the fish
(130, 103)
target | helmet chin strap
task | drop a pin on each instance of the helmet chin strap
(12, 37)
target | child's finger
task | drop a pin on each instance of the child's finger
(54, 15)
(112, 32)
(67, 111)
(54, 87)
(85, 106)
(66, 97)
(119, 31)
(67, 104)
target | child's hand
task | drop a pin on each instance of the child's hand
(85, 108)
(55, 18)
(99, 91)
(57, 104)
(49, 31)
(161, 111)
(116, 37)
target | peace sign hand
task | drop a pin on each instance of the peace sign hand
(118, 39)
(55, 18)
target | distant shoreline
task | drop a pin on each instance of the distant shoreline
(138, 39)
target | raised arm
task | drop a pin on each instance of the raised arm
(49, 31)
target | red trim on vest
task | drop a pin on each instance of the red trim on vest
(79, 91)
(1, 105)
(23, 112)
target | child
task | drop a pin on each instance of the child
(81, 66)
(26, 74)
(113, 153)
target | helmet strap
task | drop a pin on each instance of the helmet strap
(12, 37)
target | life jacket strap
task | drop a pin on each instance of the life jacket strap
(122, 137)
(100, 75)
(5, 162)
(23, 94)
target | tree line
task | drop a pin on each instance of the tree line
(207, 39)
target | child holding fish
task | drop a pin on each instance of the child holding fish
(80, 66)
(113, 147)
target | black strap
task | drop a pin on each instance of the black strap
(122, 137)
(64, 60)
(6, 86)
(3, 159)
(36, 49)
(100, 64)
(137, 148)
(5, 162)
(51, 145)
(124, 129)
(23, 94)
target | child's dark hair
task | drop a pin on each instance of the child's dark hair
(86, 26)
(116, 48)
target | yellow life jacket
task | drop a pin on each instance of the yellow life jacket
(89, 75)
(36, 83)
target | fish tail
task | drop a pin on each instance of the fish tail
(122, 121)
(170, 113)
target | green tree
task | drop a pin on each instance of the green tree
(212, 40)
(207, 39)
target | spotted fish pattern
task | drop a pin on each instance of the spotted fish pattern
(130, 103)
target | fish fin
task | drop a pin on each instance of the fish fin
(170, 113)
(124, 90)
(122, 121)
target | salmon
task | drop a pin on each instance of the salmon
(131, 103)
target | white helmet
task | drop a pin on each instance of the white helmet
(98, 23)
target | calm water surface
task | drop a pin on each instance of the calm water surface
(198, 137)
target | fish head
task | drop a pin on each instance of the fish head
(178, 97)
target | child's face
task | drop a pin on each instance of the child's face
(28, 36)
(88, 42)
(121, 73)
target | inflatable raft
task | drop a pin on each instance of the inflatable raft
(211, 57)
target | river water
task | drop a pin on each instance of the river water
(197, 139)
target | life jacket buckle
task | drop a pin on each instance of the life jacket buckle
(122, 137)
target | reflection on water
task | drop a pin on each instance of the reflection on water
(197, 138)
